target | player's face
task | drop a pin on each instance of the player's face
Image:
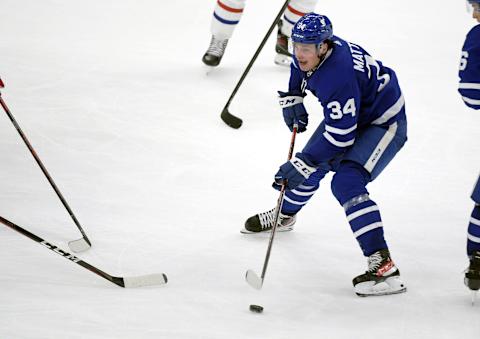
(307, 56)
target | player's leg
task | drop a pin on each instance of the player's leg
(226, 16)
(295, 10)
(472, 276)
(349, 187)
(293, 201)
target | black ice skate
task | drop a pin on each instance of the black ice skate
(382, 277)
(215, 51)
(263, 222)
(472, 275)
(283, 56)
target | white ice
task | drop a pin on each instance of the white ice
(116, 102)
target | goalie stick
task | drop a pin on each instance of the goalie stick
(227, 117)
(251, 277)
(137, 281)
(78, 245)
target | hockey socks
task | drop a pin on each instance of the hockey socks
(473, 235)
(366, 223)
(295, 199)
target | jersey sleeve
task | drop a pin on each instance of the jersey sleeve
(469, 86)
(340, 111)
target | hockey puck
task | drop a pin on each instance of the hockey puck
(256, 308)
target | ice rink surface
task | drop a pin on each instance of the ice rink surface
(115, 100)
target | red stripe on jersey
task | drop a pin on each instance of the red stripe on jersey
(230, 9)
(294, 11)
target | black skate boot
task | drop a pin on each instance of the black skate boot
(382, 277)
(263, 222)
(283, 56)
(215, 51)
(472, 275)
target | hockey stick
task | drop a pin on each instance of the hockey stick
(251, 277)
(78, 245)
(230, 119)
(138, 281)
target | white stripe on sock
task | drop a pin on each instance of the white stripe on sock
(363, 211)
(475, 221)
(367, 228)
(468, 85)
(472, 238)
(293, 201)
(303, 194)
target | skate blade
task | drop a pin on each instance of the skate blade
(392, 285)
(282, 60)
(279, 229)
(208, 69)
(474, 297)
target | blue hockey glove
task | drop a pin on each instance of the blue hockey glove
(293, 109)
(293, 173)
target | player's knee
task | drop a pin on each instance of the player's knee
(349, 182)
(342, 188)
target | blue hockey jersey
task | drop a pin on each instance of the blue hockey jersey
(469, 86)
(355, 91)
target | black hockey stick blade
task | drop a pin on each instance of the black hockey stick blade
(79, 245)
(254, 280)
(230, 119)
(127, 282)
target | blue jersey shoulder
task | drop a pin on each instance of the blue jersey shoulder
(334, 73)
(473, 36)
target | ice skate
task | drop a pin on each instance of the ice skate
(283, 56)
(472, 275)
(215, 51)
(382, 277)
(263, 222)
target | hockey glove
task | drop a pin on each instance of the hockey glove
(293, 109)
(293, 173)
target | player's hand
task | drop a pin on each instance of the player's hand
(293, 109)
(293, 173)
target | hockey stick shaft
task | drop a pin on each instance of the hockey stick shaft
(44, 170)
(120, 281)
(251, 277)
(226, 116)
(279, 207)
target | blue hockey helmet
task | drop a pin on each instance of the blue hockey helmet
(312, 28)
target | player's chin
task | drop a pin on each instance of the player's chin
(304, 66)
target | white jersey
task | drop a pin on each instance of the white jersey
(227, 15)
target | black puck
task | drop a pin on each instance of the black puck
(256, 308)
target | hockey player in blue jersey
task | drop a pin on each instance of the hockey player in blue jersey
(469, 88)
(364, 127)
